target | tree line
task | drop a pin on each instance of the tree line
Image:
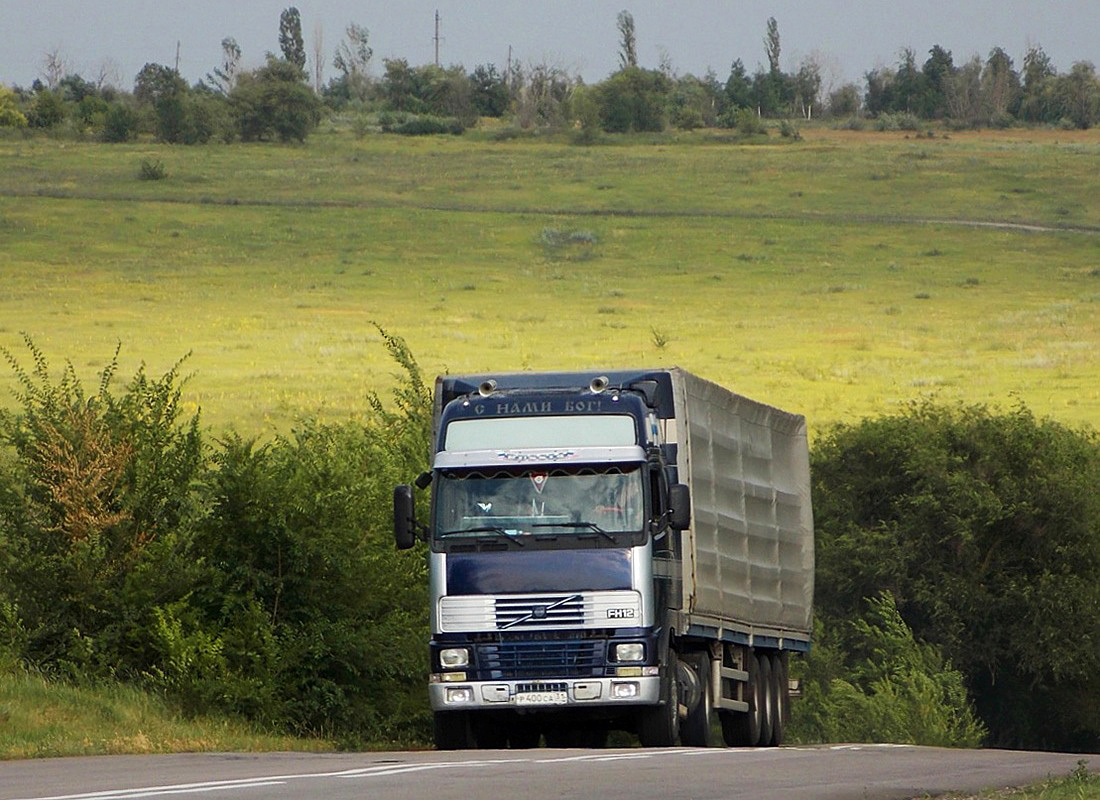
(287, 96)
(958, 579)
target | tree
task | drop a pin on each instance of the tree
(771, 45)
(490, 91)
(1078, 94)
(352, 59)
(290, 38)
(633, 99)
(1000, 86)
(1037, 103)
(54, 67)
(274, 101)
(738, 86)
(964, 92)
(318, 58)
(628, 51)
(10, 115)
(879, 97)
(938, 71)
(162, 88)
(224, 77)
(807, 86)
(845, 101)
(908, 83)
(47, 110)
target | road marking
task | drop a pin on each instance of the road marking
(385, 770)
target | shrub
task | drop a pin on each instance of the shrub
(870, 680)
(120, 124)
(97, 506)
(152, 170)
(986, 527)
(788, 130)
(426, 126)
(10, 115)
(750, 124)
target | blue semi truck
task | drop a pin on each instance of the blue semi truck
(614, 549)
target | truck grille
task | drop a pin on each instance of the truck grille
(516, 660)
(533, 612)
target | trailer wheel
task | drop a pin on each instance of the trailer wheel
(451, 730)
(696, 730)
(658, 726)
(767, 713)
(743, 729)
(782, 699)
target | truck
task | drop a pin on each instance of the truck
(625, 549)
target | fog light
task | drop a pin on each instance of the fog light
(460, 694)
(453, 657)
(631, 651)
(628, 672)
(452, 677)
(624, 689)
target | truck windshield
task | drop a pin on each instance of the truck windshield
(533, 503)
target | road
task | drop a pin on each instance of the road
(859, 772)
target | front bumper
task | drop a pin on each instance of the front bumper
(550, 694)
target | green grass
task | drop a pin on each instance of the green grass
(1081, 784)
(829, 276)
(41, 718)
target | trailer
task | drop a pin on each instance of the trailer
(612, 549)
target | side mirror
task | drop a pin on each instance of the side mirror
(404, 517)
(679, 503)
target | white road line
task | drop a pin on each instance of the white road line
(384, 770)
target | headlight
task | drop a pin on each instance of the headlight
(632, 651)
(460, 694)
(454, 657)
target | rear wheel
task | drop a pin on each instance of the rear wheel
(743, 729)
(696, 730)
(782, 699)
(658, 726)
(451, 730)
(767, 713)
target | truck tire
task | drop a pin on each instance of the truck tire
(659, 726)
(451, 730)
(696, 729)
(782, 699)
(743, 729)
(767, 713)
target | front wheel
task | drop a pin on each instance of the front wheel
(696, 730)
(659, 726)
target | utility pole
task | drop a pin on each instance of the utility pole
(437, 37)
(177, 56)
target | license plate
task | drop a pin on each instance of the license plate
(542, 699)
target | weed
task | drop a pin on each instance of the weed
(152, 170)
(659, 338)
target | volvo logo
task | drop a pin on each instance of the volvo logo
(538, 612)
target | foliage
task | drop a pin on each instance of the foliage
(97, 513)
(628, 44)
(262, 581)
(10, 115)
(352, 59)
(273, 101)
(152, 170)
(986, 528)
(291, 43)
(422, 125)
(869, 680)
(47, 110)
(633, 99)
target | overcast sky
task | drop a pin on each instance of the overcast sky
(848, 37)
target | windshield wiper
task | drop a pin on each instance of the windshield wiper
(486, 529)
(592, 526)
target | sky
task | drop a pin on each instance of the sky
(847, 37)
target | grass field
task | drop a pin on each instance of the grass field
(838, 276)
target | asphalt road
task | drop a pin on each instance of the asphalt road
(859, 772)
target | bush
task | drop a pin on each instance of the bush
(426, 126)
(152, 170)
(97, 504)
(986, 527)
(788, 130)
(870, 680)
(120, 124)
(748, 123)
